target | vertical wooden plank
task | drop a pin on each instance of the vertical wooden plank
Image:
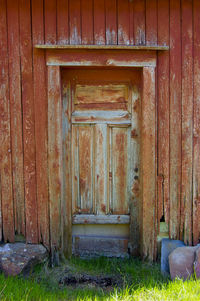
(151, 22)
(148, 164)
(54, 154)
(16, 115)
(100, 161)
(139, 22)
(87, 21)
(62, 22)
(196, 135)
(135, 172)
(119, 169)
(131, 22)
(187, 120)
(1, 221)
(76, 205)
(99, 22)
(66, 204)
(111, 22)
(85, 151)
(123, 22)
(5, 135)
(163, 111)
(40, 106)
(175, 118)
(28, 122)
(50, 21)
(75, 21)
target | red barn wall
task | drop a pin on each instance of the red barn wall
(24, 207)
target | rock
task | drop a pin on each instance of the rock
(197, 262)
(168, 245)
(19, 258)
(181, 262)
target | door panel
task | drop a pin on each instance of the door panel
(104, 158)
(82, 167)
(118, 173)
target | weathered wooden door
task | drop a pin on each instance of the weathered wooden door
(104, 164)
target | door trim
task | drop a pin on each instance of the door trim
(60, 209)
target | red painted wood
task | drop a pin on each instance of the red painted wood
(75, 21)
(16, 114)
(123, 22)
(62, 22)
(28, 122)
(5, 135)
(151, 22)
(175, 118)
(50, 21)
(187, 120)
(87, 21)
(196, 131)
(163, 109)
(111, 22)
(40, 106)
(54, 155)
(99, 22)
(131, 22)
(148, 164)
(139, 22)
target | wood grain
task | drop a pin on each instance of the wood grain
(28, 122)
(187, 122)
(175, 118)
(196, 127)
(16, 114)
(40, 107)
(163, 111)
(148, 162)
(7, 210)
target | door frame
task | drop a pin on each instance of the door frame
(60, 209)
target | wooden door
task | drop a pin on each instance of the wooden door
(104, 149)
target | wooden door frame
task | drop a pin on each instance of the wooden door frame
(60, 210)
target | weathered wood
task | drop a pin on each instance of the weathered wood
(124, 58)
(16, 114)
(100, 219)
(187, 121)
(7, 210)
(163, 111)
(87, 22)
(123, 22)
(196, 128)
(62, 22)
(101, 203)
(66, 201)
(148, 162)
(40, 107)
(111, 22)
(139, 22)
(104, 47)
(54, 154)
(119, 153)
(99, 22)
(109, 117)
(28, 122)
(151, 22)
(50, 21)
(175, 119)
(75, 21)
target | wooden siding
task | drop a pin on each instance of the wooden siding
(26, 206)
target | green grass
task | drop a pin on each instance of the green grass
(140, 281)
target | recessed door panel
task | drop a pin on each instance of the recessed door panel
(104, 157)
